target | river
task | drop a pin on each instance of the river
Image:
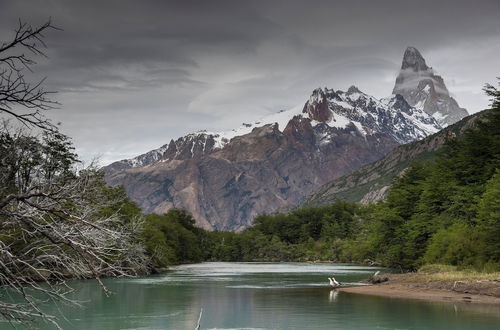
(258, 296)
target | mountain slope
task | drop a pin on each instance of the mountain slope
(372, 182)
(425, 90)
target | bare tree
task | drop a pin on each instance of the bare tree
(55, 222)
(19, 98)
(52, 227)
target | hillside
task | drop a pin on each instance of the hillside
(371, 183)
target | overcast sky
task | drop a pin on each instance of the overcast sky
(131, 75)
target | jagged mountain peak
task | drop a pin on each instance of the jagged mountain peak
(318, 94)
(352, 90)
(422, 88)
(412, 59)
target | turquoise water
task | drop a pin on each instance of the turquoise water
(258, 296)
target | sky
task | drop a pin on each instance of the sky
(132, 75)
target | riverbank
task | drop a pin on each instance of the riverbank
(433, 287)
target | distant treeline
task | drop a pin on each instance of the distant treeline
(446, 211)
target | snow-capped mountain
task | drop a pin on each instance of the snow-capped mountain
(424, 89)
(331, 109)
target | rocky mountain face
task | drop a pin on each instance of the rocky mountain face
(372, 182)
(425, 90)
(225, 179)
(190, 146)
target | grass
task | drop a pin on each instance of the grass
(451, 273)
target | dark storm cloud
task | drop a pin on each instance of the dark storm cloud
(133, 74)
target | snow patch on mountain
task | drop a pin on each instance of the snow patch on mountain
(147, 158)
(393, 116)
(281, 118)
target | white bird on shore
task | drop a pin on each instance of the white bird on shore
(333, 282)
(376, 273)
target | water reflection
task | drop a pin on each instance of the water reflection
(333, 295)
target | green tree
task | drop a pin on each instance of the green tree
(488, 219)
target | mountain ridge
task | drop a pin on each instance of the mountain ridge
(204, 142)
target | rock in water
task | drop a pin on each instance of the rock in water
(425, 90)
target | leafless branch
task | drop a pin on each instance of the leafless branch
(19, 98)
(51, 228)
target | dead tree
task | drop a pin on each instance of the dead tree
(52, 224)
(52, 227)
(19, 98)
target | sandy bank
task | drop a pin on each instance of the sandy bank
(417, 286)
